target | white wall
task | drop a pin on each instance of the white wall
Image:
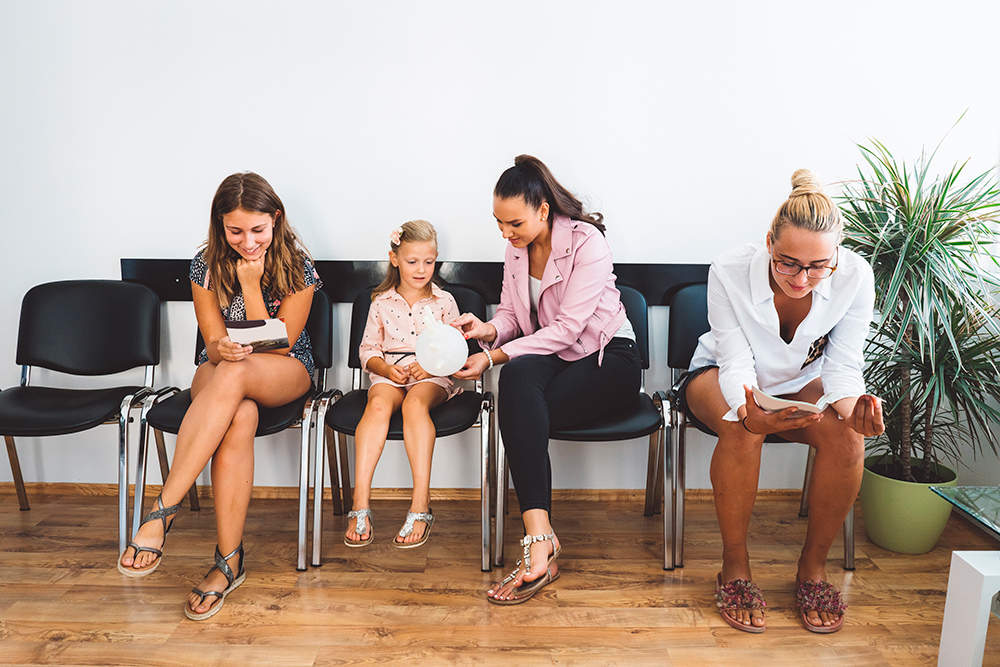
(682, 122)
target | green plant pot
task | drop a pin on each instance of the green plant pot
(905, 517)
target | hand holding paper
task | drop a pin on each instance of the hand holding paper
(262, 335)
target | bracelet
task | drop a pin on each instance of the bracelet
(744, 422)
(490, 357)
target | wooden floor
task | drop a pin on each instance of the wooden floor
(63, 602)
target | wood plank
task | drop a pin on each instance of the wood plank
(63, 602)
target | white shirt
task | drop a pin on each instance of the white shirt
(745, 341)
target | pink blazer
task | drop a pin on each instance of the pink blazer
(579, 309)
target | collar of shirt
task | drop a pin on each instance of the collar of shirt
(391, 293)
(760, 284)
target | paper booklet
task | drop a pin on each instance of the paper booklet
(775, 404)
(262, 335)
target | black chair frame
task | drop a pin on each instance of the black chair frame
(85, 328)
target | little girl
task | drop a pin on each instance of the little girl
(397, 380)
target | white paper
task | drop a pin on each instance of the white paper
(263, 335)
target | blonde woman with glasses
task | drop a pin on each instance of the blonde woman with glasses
(788, 316)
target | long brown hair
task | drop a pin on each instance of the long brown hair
(283, 263)
(413, 231)
(531, 179)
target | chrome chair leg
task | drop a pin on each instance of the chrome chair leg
(849, 540)
(652, 474)
(15, 469)
(485, 426)
(304, 455)
(807, 482)
(345, 471)
(501, 501)
(679, 483)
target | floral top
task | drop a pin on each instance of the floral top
(302, 350)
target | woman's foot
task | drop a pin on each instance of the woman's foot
(746, 616)
(207, 599)
(215, 580)
(416, 528)
(517, 585)
(821, 606)
(143, 553)
(359, 528)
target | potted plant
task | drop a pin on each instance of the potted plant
(934, 352)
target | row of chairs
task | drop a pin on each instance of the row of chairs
(106, 327)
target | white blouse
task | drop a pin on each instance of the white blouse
(745, 341)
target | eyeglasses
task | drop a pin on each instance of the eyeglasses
(814, 272)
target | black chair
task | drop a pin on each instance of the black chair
(164, 411)
(87, 328)
(689, 320)
(341, 413)
(646, 419)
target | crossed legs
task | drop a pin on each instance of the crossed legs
(220, 425)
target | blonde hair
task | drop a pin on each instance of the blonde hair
(414, 231)
(807, 207)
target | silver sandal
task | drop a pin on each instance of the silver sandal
(233, 582)
(428, 519)
(361, 527)
(525, 592)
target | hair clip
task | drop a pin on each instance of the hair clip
(396, 235)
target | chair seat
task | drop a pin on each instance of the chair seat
(38, 411)
(641, 421)
(168, 414)
(453, 416)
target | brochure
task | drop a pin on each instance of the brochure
(263, 335)
(775, 404)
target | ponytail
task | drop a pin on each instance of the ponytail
(531, 179)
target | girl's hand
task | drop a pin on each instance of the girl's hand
(473, 327)
(397, 374)
(474, 366)
(250, 271)
(416, 372)
(231, 351)
(866, 418)
(761, 422)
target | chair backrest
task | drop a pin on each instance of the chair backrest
(89, 327)
(688, 320)
(319, 325)
(468, 300)
(638, 315)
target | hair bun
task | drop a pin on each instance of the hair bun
(804, 182)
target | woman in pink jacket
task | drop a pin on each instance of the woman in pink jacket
(561, 331)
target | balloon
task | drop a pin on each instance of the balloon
(441, 349)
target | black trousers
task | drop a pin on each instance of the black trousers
(542, 393)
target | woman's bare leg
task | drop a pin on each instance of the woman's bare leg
(232, 484)
(735, 474)
(218, 391)
(369, 441)
(836, 479)
(418, 437)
